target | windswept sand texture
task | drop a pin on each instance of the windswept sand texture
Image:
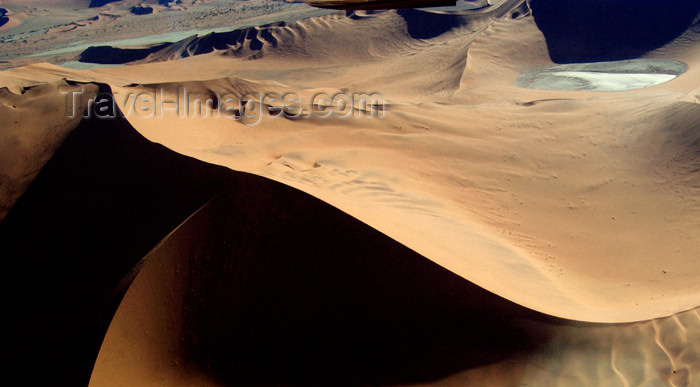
(473, 227)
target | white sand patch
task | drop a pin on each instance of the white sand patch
(615, 82)
(603, 76)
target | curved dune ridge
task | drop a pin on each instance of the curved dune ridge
(475, 228)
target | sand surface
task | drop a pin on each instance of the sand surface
(498, 181)
(580, 203)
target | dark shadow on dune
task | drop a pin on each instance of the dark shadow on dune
(250, 38)
(374, 5)
(605, 30)
(3, 18)
(222, 41)
(428, 25)
(115, 55)
(288, 290)
(244, 42)
(99, 3)
(98, 206)
(141, 10)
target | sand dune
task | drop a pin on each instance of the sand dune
(297, 39)
(8, 19)
(468, 227)
(590, 171)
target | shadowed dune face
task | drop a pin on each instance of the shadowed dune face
(115, 55)
(289, 290)
(104, 199)
(426, 25)
(605, 30)
(99, 3)
(269, 286)
(26, 141)
(140, 10)
(3, 19)
(239, 42)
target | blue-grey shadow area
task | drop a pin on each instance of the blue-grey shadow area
(607, 30)
(116, 55)
(3, 19)
(99, 3)
(428, 25)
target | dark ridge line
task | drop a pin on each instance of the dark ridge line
(317, 297)
(104, 199)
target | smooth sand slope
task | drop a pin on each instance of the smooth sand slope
(576, 204)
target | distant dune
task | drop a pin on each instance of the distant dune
(255, 41)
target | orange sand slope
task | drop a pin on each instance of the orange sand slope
(582, 205)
